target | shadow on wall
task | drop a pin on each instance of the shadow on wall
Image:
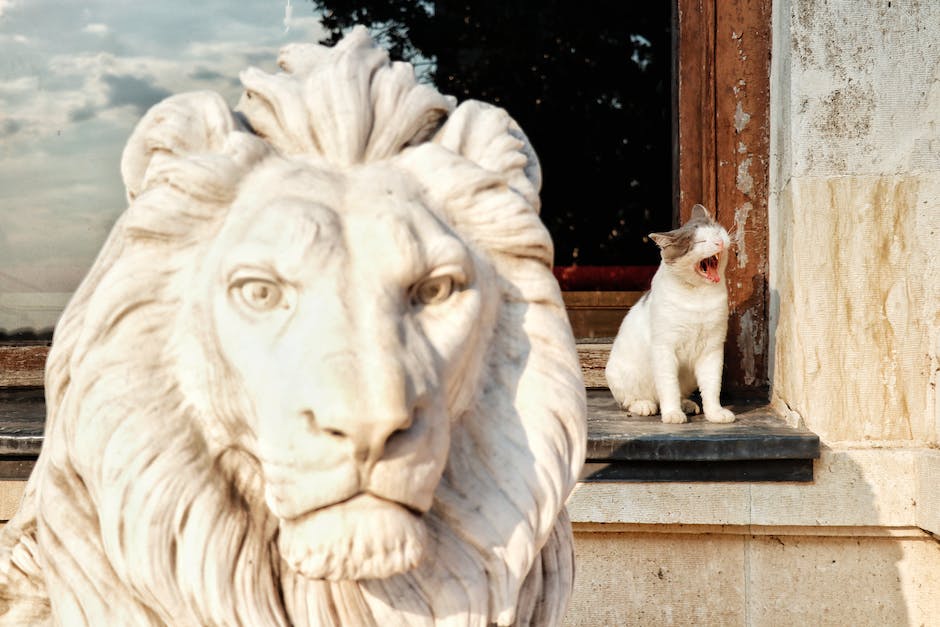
(841, 573)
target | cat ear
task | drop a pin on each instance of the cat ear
(699, 211)
(662, 239)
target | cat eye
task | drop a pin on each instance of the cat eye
(258, 294)
(433, 290)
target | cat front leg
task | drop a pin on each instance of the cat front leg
(666, 380)
(708, 375)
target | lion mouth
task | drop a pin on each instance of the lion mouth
(364, 537)
(708, 268)
(355, 501)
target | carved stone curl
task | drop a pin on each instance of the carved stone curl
(320, 373)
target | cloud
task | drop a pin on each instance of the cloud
(130, 90)
(203, 73)
(85, 112)
(9, 127)
(12, 38)
(96, 28)
(37, 110)
(23, 85)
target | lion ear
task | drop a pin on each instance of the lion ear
(489, 137)
(181, 125)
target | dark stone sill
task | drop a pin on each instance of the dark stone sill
(758, 446)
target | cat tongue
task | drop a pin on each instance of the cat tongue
(711, 270)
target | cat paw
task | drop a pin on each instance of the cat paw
(642, 408)
(674, 417)
(690, 407)
(720, 415)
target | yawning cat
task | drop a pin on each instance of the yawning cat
(672, 340)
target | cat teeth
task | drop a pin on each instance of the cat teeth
(708, 262)
(708, 268)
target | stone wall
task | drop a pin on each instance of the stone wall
(728, 577)
(852, 548)
(855, 218)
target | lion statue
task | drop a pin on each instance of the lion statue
(319, 374)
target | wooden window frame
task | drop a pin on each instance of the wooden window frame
(722, 113)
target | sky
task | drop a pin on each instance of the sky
(75, 77)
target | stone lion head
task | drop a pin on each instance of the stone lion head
(320, 373)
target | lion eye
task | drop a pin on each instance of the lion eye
(259, 294)
(433, 290)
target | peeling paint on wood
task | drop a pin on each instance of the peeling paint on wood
(741, 118)
(739, 232)
(744, 179)
(724, 142)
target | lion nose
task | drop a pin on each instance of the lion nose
(368, 436)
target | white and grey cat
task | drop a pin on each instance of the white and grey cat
(672, 340)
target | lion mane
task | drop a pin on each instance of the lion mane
(146, 504)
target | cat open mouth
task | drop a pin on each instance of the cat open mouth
(708, 268)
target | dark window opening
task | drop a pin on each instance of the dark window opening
(591, 86)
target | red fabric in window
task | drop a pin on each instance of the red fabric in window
(610, 278)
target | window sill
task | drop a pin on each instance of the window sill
(758, 446)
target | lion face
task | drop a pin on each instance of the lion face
(346, 356)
